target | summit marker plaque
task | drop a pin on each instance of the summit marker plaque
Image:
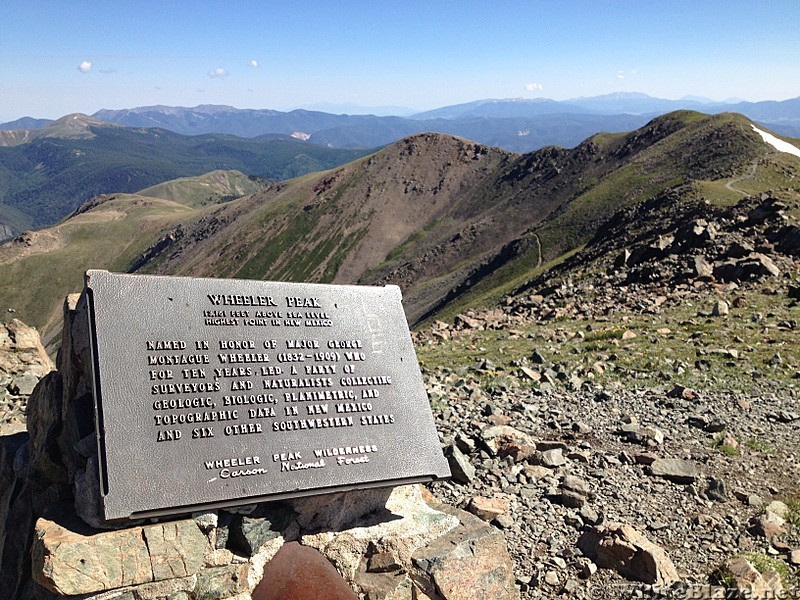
(212, 393)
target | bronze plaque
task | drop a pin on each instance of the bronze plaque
(218, 392)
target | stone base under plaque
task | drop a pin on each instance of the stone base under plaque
(384, 543)
(417, 549)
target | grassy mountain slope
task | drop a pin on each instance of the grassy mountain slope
(209, 188)
(306, 228)
(680, 148)
(37, 269)
(452, 222)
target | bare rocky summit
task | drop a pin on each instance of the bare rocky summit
(625, 435)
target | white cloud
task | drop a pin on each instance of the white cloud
(218, 72)
(254, 64)
(534, 87)
(85, 66)
(620, 74)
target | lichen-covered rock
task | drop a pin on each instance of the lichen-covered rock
(21, 350)
(221, 583)
(468, 563)
(70, 563)
(23, 362)
(176, 548)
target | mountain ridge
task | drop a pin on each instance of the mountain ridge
(451, 221)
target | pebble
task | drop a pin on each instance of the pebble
(551, 578)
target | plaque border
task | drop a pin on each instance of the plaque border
(179, 509)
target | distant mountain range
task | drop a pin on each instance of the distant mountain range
(49, 168)
(47, 173)
(518, 125)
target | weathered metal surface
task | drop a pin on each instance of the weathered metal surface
(212, 393)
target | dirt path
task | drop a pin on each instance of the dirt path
(731, 185)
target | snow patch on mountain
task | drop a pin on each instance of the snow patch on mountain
(776, 143)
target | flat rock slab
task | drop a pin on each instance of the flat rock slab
(69, 562)
(471, 561)
(406, 524)
(674, 469)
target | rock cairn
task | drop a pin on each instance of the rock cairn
(382, 544)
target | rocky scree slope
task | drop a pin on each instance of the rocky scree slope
(651, 380)
(23, 362)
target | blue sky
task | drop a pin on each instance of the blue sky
(60, 57)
